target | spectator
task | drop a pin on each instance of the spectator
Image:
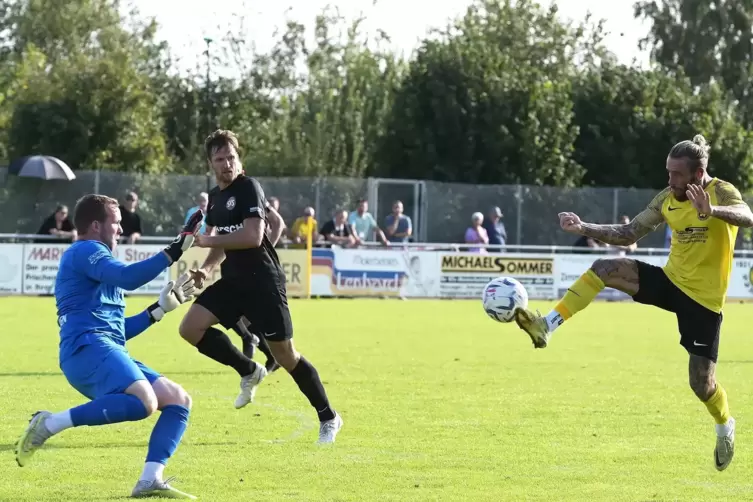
(58, 224)
(130, 221)
(275, 203)
(302, 228)
(201, 203)
(494, 227)
(398, 226)
(363, 225)
(337, 231)
(476, 233)
(587, 242)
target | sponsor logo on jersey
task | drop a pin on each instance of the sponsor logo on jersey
(229, 228)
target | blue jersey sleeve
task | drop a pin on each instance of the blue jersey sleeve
(97, 261)
(137, 324)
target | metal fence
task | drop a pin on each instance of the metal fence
(440, 211)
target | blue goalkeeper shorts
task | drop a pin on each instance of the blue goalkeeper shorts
(104, 367)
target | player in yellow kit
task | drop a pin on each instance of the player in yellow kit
(704, 214)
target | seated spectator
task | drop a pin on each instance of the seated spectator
(476, 233)
(303, 227)
(398, 227)
(363, 225)
(58, 224)
(337, 231)
(129, 220)
(201, 203)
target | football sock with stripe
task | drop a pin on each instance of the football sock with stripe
(578, 296)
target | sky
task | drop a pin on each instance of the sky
(185, 23)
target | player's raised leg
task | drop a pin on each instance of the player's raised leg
(197, 328)
(617, 273)
(174, 404)
(118, 389)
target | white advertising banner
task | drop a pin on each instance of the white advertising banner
(129, 253)
(464, 275)
(41, 263)
(373, 272)
(11, 269)
(568, 267)
(31, 269)
(741, 282)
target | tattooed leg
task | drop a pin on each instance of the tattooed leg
(617, 273)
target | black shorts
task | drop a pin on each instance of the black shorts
(266, 309)
(699, 326)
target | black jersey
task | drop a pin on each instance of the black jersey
(244, 198)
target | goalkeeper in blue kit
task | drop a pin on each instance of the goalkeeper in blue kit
(93, 331)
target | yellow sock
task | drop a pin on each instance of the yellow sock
(579, 295)
(717, 405)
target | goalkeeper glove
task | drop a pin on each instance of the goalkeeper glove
(185, 239)
(172, 295)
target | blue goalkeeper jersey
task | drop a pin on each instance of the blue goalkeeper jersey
(89, 293)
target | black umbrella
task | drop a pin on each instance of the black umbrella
(41, 166)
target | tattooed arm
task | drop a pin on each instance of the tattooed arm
(619, 235)
(730, 206)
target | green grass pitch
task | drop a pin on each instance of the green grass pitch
(439, 402)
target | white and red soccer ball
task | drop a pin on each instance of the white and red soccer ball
(502, 297)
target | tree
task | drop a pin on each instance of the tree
(489, 100)
(82, 85)
(707, 40)
(629, 118)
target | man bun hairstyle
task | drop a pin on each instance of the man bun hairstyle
(696, 152)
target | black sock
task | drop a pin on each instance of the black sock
(247, 341)
(308, 381)
(264, 348)
(216, 345)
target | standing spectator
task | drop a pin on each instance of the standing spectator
(303, 227)
(130, 221)
(495, 229)
(364, 226)
(398, 226)
(275, 203)
(337, 231)
(201, 203)
(58, 224)
(476, 233)
(622, 250)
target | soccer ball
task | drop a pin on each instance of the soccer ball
(502, 297)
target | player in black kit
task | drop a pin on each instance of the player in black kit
(252, 284)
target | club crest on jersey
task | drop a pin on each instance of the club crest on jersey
(703, 217)
(230, 204)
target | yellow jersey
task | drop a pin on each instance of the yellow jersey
(301, 228)
(702, 248)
